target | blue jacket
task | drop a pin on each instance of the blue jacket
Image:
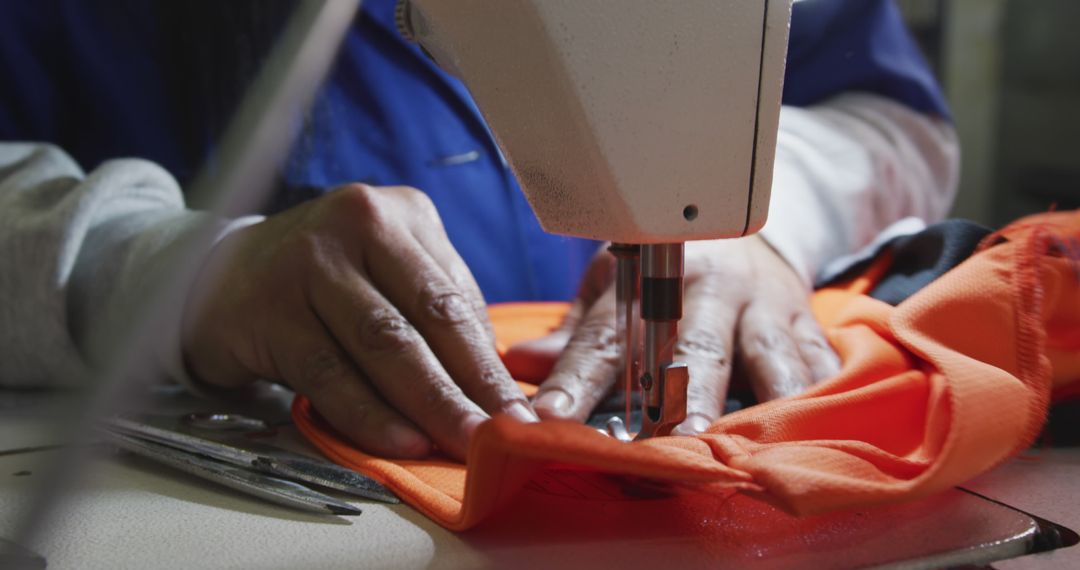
(78, 75)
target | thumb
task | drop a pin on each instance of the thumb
(598, 277)
(532, 360)
(538, 356)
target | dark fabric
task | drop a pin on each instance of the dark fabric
(1063, 425)
(921, 258)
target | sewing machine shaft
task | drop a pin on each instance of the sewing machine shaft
(662, 381)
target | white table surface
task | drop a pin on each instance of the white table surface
(126, 512)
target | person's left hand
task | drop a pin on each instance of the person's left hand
(742, 300)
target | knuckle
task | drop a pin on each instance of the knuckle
(360, 201)
(464, 282)
(814, 344)
(772, 347)
(704, 344)
(357, 194)
(493, 389)
(764, 342)
(418, 199)
(808, 334)
(439, 398)
(597, 338)
(386, 331)
(443, 304)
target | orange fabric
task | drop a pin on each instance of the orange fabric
(516, 322)
(932, 392)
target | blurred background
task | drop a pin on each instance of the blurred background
(1011, 70)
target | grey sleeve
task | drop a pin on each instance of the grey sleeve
(73, 249)
(850, 167)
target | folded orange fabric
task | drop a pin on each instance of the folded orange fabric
(932, 392)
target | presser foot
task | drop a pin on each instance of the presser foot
(656, 420)
(661, 415)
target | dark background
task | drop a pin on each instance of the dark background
(1011, 70)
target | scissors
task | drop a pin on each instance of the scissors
(256, 468)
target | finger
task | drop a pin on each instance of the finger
(769, 354)
(706, 336)
(432, 236)
(323, 372)
(411, 280)
(533, 360)
(221, 366)
(816, 352)
(597, 279)
(394, 356)
(587, 368)
(598, 276)
(548, 347)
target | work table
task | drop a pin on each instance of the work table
(126, 512)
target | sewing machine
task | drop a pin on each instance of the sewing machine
(636, 122)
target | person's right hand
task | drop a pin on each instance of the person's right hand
(359, 301)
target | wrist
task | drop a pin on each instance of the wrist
(192, 339)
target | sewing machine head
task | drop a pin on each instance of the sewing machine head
(637, 122)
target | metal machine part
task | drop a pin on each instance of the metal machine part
(663, 381)
(616, 428)
(653, 274)
(627, 271)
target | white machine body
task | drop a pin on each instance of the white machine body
(633, 121)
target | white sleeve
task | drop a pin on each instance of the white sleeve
(850, 167)
(73, 248)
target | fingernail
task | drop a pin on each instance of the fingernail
(471, 422)
(692, 426)
(407, 441)
(522, 413)
(555, 402)
(698, 423)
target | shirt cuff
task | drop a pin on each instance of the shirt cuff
(172, 354)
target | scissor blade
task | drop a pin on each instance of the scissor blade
(327, 475)
(185, 442)
(260, 456)
(272, 489)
